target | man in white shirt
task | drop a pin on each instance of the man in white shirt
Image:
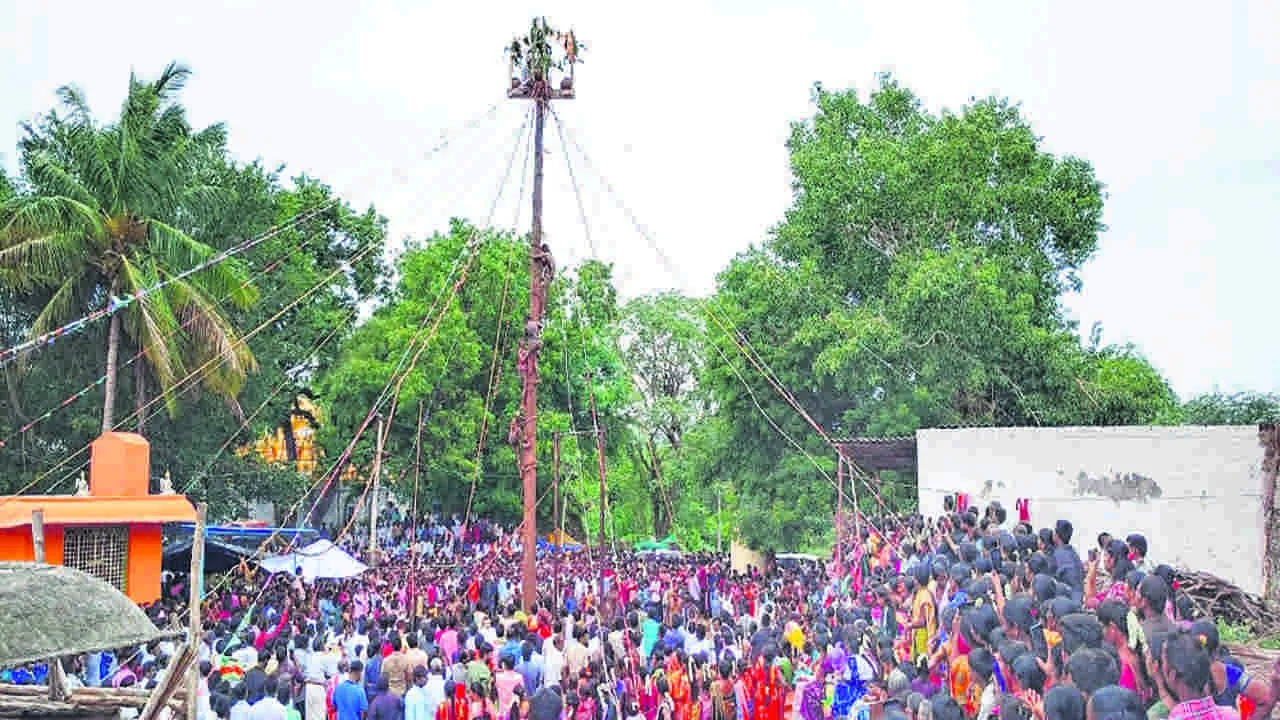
(576, 654)
(314, 674)
(435, 687)
(271, 707)
(353, 641)
(417, 704)
(553, 660)
(246, 655)
(241, 710)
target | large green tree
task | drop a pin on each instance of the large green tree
(1241, 408)
(314, 276)
(662, 338)
(320, 264)
(110, 214)
(916, 281)
(465, 378)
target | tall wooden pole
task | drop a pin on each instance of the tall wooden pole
(196, 582)
(720, 520)
(857, 509)
(539, 267)
(373, 499)
(604, 489)
(839, 512)
(555, 516)
(57, 676)
(413, 533)
(37, 534)
(535, 86)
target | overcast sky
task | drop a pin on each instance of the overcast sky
(684, 107)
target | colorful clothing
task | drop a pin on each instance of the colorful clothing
(922, 605)
(1203, 709)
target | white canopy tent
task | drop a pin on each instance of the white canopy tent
(320, 559)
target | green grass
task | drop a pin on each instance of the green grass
(1241, 634)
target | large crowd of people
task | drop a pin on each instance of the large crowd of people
(964, 616)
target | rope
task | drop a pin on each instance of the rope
(577, 194)
(568, 375)
(444, 143)
(767, 373)
(499, 334)
(672, 269)
(471, 249)
(198, 372)
(67, 401)
(327, 477)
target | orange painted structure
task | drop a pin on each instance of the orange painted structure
(113, 531)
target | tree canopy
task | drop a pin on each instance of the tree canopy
(112, 212)
(916, 281)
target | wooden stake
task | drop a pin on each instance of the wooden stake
(604, 490)
(413, 532)
(196, 582)
(183, 664)
(857, 509)
(555, 517)
(839, 512)
(373, 499)
(37, 534)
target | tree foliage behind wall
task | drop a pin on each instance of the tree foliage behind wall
(916, 281)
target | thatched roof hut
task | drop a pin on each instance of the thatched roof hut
(54, 611)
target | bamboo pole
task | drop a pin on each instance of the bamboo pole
(555, 518)
(166, 690)
(37, 534)
(195, 580)
(373, 501)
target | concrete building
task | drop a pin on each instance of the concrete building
(1204, 497)
(112, 531)
(1196, 493)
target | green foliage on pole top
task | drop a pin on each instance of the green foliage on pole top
(536, 54)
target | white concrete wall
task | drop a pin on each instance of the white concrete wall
(741, 558)
(263, 510)
(1206, 514)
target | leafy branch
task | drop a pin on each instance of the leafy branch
(535, 53)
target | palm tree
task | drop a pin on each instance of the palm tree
(110, 211)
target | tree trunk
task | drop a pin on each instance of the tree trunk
(109, 385)
(140, 392)
(15, 400)
(661, 525)
(290, 441)
(1269, 436)
(663, 488)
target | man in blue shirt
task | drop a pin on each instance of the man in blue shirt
(349, 697)
(530, 668)
(511, 648)
(1070, 571)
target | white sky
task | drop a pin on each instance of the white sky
(685, 107)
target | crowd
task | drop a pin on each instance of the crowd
(950, 618)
